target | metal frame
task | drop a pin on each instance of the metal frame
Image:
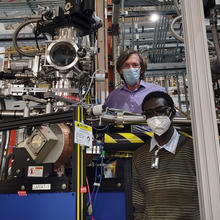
(78, 156)
(78, 171)
(102, 56)
(37, 120)
(205, 133)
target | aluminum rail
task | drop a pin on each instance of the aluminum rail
(52, 118)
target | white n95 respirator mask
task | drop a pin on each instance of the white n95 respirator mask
(159, 124)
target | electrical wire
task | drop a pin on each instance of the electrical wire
(90, 200)
(97, 184)
(100, 177)
(2, 105)
(100, 180)
(9, 157)
(4, 144)
(93, 189)
(101, 129)
(215, 34)
(92, 78)
(90, 85)
(35, 36)
(176, 5)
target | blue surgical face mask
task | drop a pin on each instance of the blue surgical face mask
(131, 75)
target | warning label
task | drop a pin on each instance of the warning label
(83, 134)
(35, 171)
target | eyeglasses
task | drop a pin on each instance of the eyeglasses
(130, 65)
(157, 112)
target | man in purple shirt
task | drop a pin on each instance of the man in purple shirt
(129, 97)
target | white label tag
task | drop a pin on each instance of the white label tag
(35, 171)
(83, 134)
(41, 186)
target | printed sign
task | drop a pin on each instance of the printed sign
(35, 171)
(41, 186)
(83, 134)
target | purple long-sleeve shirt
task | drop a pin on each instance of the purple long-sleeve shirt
(127, 100)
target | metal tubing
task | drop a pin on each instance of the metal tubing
(37, 120)
(178, 91)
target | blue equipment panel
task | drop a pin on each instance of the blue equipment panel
(57, 206)
(110, 206)
(42, 206)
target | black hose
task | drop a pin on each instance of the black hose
(14, 39)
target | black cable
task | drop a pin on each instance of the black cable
(10, 156)
(14, 39)
(35, 36)
(36, 32)
(29, 5)
(4, 135)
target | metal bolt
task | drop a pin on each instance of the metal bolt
(118, 185)
(63, 186)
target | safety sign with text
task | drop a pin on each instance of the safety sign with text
(83, 134)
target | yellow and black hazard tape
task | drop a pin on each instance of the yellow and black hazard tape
(130, 141)
(115, 138)
(125, 141)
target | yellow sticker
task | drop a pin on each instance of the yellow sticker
(131, 137)
(83, 126)
(109, 139)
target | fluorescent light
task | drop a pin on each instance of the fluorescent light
(154, 17)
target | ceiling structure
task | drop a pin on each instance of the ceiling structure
(16, 8)
(161, 41)
(153, 38)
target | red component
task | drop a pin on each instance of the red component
(11, 144)
(74, 98)
(22, 193)
(12, 141)
(83, 189)
(110, 58)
